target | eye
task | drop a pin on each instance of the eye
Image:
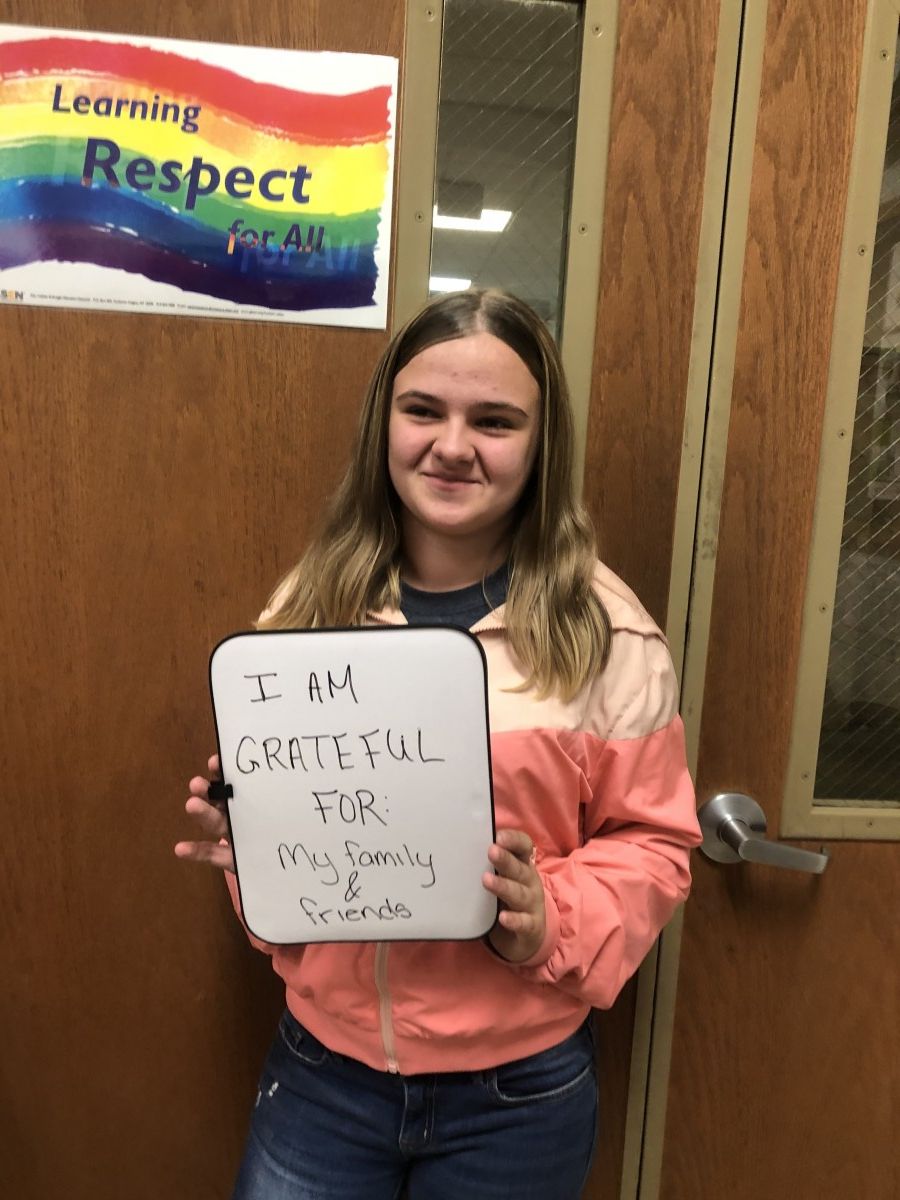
(495, 423)
(419, 410)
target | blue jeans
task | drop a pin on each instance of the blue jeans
(326, 1127)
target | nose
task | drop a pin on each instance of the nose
(452, 444)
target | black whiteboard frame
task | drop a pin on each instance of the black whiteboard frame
(381, 629)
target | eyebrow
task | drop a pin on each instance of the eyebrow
(482, 405)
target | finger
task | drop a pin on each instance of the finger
(514, 895)
(518, 922)
(206, 852)
(211, 820)
(517, 843)
(215, 767)
(199, 786)
(511, 866)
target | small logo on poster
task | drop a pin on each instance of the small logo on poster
(11, 294)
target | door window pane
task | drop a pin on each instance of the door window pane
(859, 747)
(506, 147)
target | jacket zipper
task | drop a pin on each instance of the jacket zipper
(384, 1007)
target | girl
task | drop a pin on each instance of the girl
(466, 1068)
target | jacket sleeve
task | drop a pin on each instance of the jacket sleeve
(608, 899)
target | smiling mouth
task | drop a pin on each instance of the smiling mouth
(448, 479)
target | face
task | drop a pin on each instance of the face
(462, 437)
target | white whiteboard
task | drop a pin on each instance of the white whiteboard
(359, 767)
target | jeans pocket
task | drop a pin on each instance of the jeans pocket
(300, 1043)
(549, 1075)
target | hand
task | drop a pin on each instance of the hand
(212, 822)
(522, 921)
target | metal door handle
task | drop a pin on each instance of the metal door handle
(734, 829)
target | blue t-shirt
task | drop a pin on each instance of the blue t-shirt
(462, 607)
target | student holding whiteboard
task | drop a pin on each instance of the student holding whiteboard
(465, 1068)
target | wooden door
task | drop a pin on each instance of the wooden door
(785, 1045)
(158, 475)
(672, 62)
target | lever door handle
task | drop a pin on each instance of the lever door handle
(734, 829)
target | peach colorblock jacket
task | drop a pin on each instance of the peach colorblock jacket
(602, 786)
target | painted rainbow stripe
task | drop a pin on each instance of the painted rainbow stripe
(321, 249)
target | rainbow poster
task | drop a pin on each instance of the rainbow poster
(150, 175)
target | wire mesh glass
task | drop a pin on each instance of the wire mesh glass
(506, 147)
(859, 745)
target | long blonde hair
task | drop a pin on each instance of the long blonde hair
(556, 624)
